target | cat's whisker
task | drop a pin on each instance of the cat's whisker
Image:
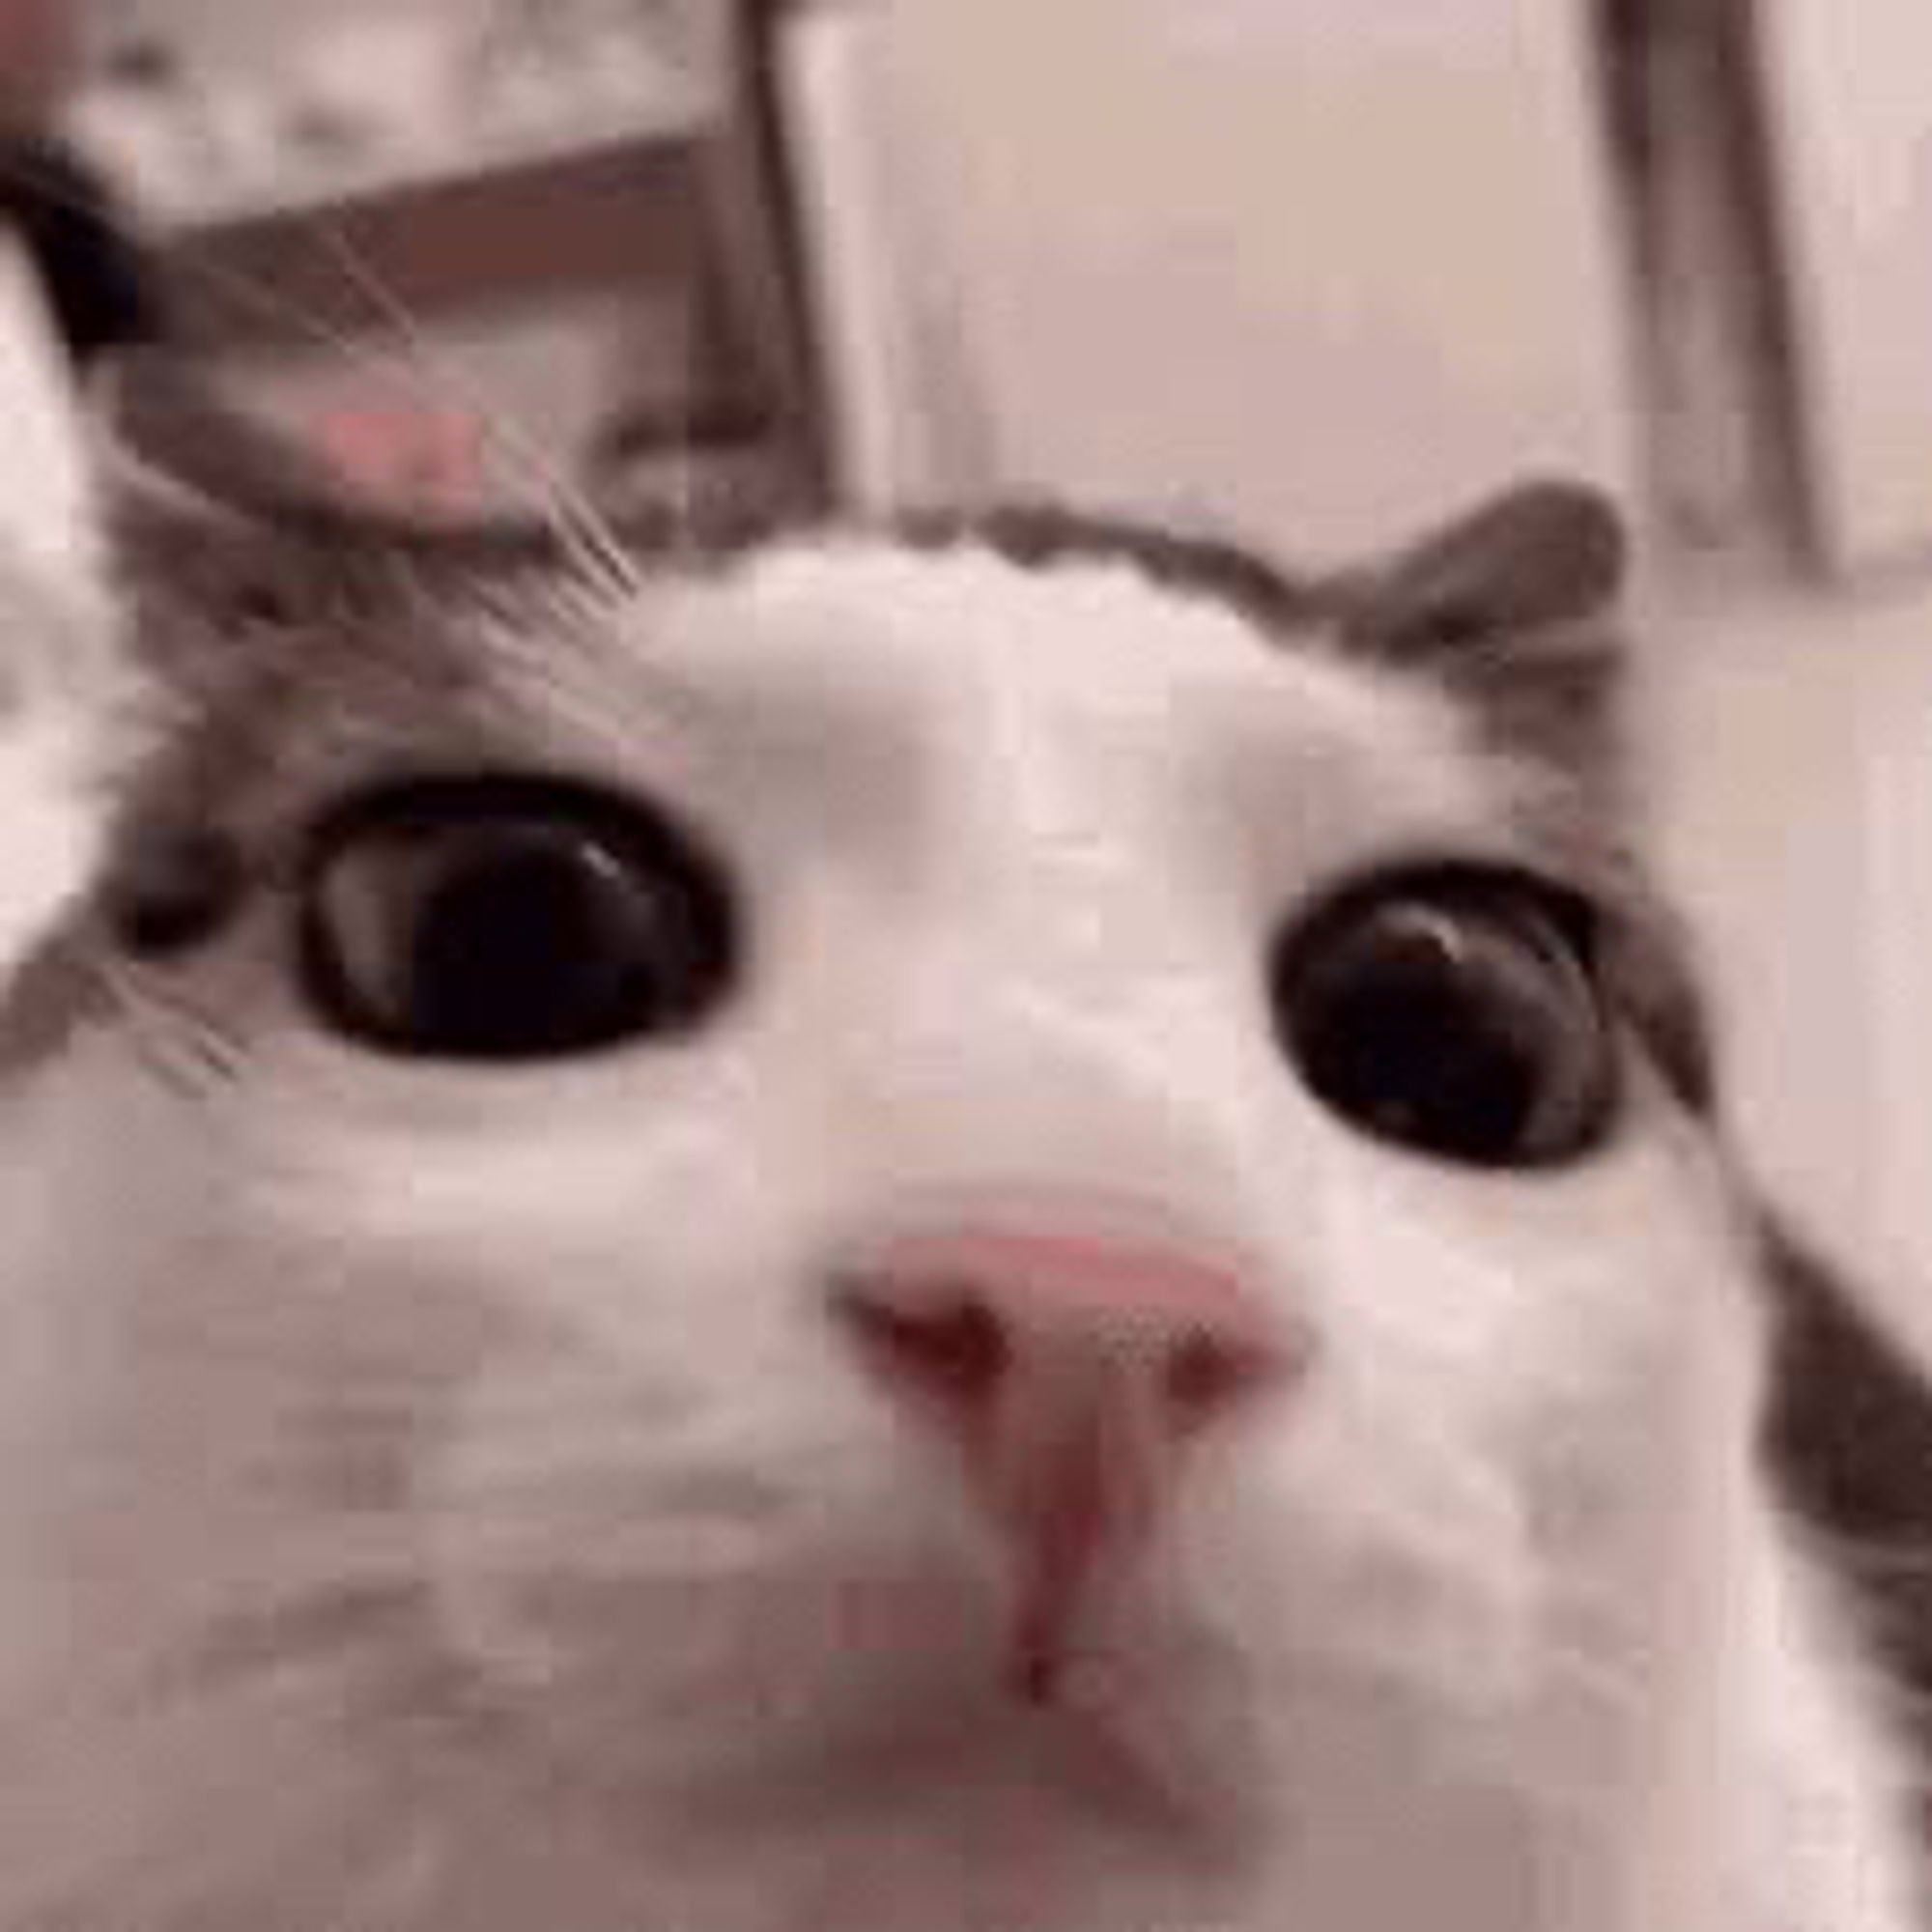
(593, 541)
(243, 1637)
(179, 1065)
(187, 1047)
(327, 1626)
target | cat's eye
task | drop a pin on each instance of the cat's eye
(1453, 1012)
(492, 919)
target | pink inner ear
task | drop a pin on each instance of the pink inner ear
(414, 455)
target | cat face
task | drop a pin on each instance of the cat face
(714, 1235)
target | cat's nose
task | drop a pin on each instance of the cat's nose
(980, 1325)
(1073, 1374)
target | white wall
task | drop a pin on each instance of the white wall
(1339, 265)
(1793, 787)
(1854, 121)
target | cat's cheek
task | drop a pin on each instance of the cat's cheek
(1507, 1369)
(660, 1489)
(723, 1589)
(1505, 1302)
(654, 1231)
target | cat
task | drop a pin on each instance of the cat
(998, 1223)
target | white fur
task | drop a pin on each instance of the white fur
(663, 1619)
(67, 710)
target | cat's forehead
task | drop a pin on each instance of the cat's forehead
(808, 664)
(936, 657)
(919, 626)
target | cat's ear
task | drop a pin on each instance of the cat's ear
(1543, 555)
(179, 456)
(197, 501)
(220, 528)
(1514, 605)
(210, 499)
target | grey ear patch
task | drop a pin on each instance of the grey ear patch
(1850, 1436)
(1544, 553)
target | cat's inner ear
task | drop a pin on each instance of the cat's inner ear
(221, 527)
(205, 508)
(174, 445)
(1543, 555)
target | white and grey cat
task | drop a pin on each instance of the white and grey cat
(998, 1227)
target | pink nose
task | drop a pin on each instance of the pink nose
(1071, 1372)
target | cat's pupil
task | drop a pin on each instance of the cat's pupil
(1456, 1017)
(476, 923)
(526, 908)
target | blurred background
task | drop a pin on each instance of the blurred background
(1317, 269)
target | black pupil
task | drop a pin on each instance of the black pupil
(473, 928)
(1460, 1022)
(533, 910)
